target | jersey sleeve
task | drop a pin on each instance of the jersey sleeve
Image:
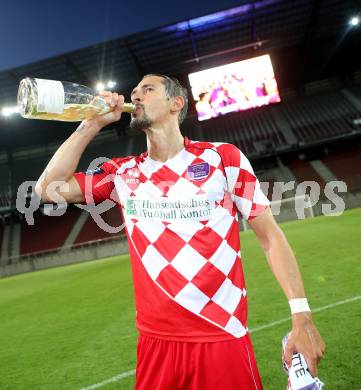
(97, 185)
(242, 183)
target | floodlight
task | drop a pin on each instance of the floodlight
(8, 111)
(355, 21)
(111, 84)
(100, 86)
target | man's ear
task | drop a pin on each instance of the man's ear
(177, 104)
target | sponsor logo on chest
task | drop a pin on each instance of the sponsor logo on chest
(132, 176)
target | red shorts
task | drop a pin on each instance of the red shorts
(178, 365)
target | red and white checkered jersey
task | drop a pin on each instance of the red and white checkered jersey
(181, 219)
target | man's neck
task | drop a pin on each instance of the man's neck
(164, 144)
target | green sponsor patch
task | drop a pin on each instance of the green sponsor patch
(131, 209)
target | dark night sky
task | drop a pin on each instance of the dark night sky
(38, 29)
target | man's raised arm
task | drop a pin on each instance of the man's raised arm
(57, 180)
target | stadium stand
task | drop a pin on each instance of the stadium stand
(303, 171)
(48, 232)
(319, 117)
(346, 166)
(255, 132)
(91, 231)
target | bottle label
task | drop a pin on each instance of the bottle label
(50, 96)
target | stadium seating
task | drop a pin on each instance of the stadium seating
(51, 232)
(303, 171)
(253, 131)
(47, 232)
(346, 166)
(91, 231)
(319, 117)
(311, 118)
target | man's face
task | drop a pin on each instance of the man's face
(152, 103)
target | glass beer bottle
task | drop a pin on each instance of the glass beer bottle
(61, 101)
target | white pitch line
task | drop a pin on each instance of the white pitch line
(322, 308)
(113, 379)
(256, 329)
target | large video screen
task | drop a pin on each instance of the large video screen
(234, 87)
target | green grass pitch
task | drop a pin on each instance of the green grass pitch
(72, 327)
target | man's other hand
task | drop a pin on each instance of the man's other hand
(305, 338)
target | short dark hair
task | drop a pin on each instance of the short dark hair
(174, 88)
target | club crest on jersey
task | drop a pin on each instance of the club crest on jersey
(198, 171)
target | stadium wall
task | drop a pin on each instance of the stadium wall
(65, 256)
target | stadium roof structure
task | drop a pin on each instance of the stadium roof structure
(308, 40)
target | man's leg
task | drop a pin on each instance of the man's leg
(155, 364)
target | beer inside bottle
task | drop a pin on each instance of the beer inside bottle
(60, 100)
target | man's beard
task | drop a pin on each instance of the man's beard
(141, 123)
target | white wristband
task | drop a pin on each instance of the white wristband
(299, 305)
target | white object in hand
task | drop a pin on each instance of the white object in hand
(299, 378)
